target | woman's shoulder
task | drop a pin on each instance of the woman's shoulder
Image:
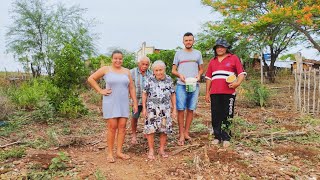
(104, 69)
(126, 71)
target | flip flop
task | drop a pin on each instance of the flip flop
(151, 157)
(124, 156)
(164, 155)
(110, 160)
(188, 139)
(180, 142)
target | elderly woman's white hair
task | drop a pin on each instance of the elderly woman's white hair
(144, 58)
(158, 63)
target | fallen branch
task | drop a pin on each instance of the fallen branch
(175, 152)
(10, 144)
(95, 142)
(274, 134)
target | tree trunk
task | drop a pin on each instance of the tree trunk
(36, 70)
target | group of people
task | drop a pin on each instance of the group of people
(155, 97)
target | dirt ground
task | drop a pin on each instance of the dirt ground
(274, 142)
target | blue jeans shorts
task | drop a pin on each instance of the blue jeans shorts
(186, 100)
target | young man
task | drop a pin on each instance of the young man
(139, 75)
(221, 93)
(187, 63)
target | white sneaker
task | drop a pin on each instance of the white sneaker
(226, 144)
(215, 142)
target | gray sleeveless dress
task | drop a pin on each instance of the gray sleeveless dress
(117, 103)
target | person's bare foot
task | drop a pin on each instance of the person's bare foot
(163, 154)
(110, 159)
(151, 156)
(181, 141)
(134, 140)
(123, 156)
(187, 137)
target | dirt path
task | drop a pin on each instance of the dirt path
(254, 154)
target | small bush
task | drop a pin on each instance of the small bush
(6, 107)
(59, 162)
(256, 93)
(72, 107)
(29, 94)
(12, 153)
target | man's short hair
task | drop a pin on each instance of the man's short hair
(187, 34)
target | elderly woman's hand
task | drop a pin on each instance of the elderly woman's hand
(135, 107)
(144, 112)
(106, 92)
(174, 113)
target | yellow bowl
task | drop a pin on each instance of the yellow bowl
(231, 78)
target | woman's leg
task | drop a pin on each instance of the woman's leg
(163, 141)
(150, 138)
(112, 126)
(216, 115)
(120, 137)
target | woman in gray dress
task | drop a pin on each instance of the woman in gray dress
(115, 104)
(157, 95)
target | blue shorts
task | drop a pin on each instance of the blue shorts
(137, 115)
(186, 100)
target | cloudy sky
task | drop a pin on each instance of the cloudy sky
(128, 23)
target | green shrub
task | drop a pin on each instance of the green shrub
(29, 95)
(59, 162)
(6, 107)
(12, 153)
(167, 57)
(72, 107)
(256, 93)
(70, 74)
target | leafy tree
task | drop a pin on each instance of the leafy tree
(302, 16)
(70, 74)
(95, 63)
(167, 57)
(247, 27)
(129, 60)
(39, 32)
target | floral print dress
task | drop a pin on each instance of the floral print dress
(158, 105)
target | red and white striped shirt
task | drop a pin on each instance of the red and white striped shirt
(218, 72)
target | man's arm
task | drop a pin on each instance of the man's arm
(200, 68)
(176, 73)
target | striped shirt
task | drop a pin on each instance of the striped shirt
(218, 72)
(139, 81)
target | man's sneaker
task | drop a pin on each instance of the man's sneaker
(215, 141)
(226, 144)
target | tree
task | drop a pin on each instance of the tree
(70, 74)
(39, 32)
(246, 25)
(302, 16)
(167, 57)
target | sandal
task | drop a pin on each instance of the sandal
(151, 157)
(180, 142)
(110, 160)
(163, 154)
(124, 156)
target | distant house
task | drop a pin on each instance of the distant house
(307, 63)
(255, 63)
(145, 50)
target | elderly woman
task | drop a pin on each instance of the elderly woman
(115, 105)
(157, 94)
